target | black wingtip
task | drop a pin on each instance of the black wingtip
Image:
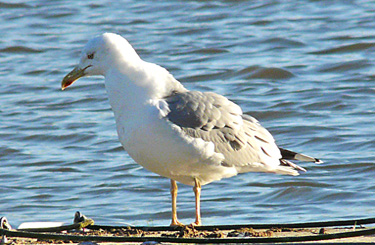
(291, 155)
(318, 161)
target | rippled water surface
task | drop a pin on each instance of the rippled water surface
(304, 69)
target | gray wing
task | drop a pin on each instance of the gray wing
(212, 117)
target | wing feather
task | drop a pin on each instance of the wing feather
(212, 117)
(245, 144)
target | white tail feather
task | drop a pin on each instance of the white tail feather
(285, 170)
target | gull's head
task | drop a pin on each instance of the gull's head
(98, 55)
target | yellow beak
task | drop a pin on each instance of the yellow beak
(72, 76)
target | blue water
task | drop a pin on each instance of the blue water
(305, 70)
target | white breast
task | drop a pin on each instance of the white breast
(163, 148)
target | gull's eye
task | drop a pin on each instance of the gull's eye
(90, 56)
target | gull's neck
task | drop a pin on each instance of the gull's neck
(132, 85)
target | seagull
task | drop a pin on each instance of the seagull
(190, 137)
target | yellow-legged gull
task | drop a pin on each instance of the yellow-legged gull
(187, 136)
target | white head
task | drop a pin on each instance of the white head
(99, 55)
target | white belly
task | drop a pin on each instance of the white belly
(164, 149)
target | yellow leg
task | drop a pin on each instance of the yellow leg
(197, 191)
(174, 189)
